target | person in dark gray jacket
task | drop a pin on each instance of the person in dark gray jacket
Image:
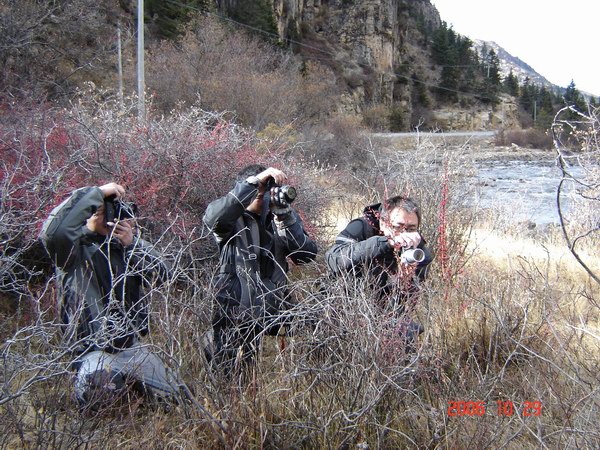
(255, 235)
(102, 268)
(376, 246)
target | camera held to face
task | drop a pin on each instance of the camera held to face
(115, 210)
(281, 196)
(412, 255)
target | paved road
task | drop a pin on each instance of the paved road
(440, 134)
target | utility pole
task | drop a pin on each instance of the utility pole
(141, 84)
(120, 64)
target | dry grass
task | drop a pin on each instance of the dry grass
(529, 138)
(507, 320)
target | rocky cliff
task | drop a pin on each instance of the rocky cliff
(377, 48)
(367, 39)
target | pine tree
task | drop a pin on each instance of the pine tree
(511, 84)
(491, 83)
(440, 45)
(169, 17)
(448, 86)
(256, 13)
(528, 95)
(573, 97)
(545, 110)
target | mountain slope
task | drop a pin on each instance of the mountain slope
(508, 62)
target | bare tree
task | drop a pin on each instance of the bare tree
(578, 192)
(231, 70)
(52, 47)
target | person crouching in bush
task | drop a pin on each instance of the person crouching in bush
(386, 246)
(256, 230)
(102, 265)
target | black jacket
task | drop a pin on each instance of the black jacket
(100, 281)
(361, 249)
(252, 279)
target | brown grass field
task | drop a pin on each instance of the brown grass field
(509, 358)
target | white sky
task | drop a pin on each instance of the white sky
(559, 39)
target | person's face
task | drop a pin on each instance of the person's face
(401, 221)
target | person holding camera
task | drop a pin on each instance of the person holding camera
(385, 245)
(256, 230)
(102, 266)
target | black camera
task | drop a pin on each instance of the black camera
(281, 196)
(115, 210)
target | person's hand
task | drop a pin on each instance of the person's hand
(406, 240)
(402, 239)
(112, 189)
(271, 172)
(123, 231)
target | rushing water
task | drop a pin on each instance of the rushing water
(526, 190)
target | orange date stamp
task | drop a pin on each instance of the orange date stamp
(501, 408)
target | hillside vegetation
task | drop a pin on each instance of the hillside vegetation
(391, 67)
(510, 353)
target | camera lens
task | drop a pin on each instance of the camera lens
(290, 193)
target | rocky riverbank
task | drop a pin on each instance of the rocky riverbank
(477, 146)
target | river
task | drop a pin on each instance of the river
(519, 184)
(524, 188)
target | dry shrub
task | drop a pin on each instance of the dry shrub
(422, 118)
(340, 142)
(231, 70)
(52, 47)
(376, 118)
(169, 166)
(530, 138)
(172, 167)
(506, 335)
(342, 378)
(579, 184)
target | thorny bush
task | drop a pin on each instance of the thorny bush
(342, 378)
(579, 186)
(231, 70)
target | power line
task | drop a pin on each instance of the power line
(326, 52)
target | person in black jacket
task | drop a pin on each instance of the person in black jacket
(256, 235)
(374, 245)
(102, 268)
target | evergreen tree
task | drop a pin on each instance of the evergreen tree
(169, 17)
(458, 60)
(454, 53)
(545, 109)
(419, 92)
(491, 83)
(546, 99)
(466, 59)
(511, 84)
(256, 13)
(528, 96)
(440, 45)
(421, 24)
(448, 86)
(573, 97)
